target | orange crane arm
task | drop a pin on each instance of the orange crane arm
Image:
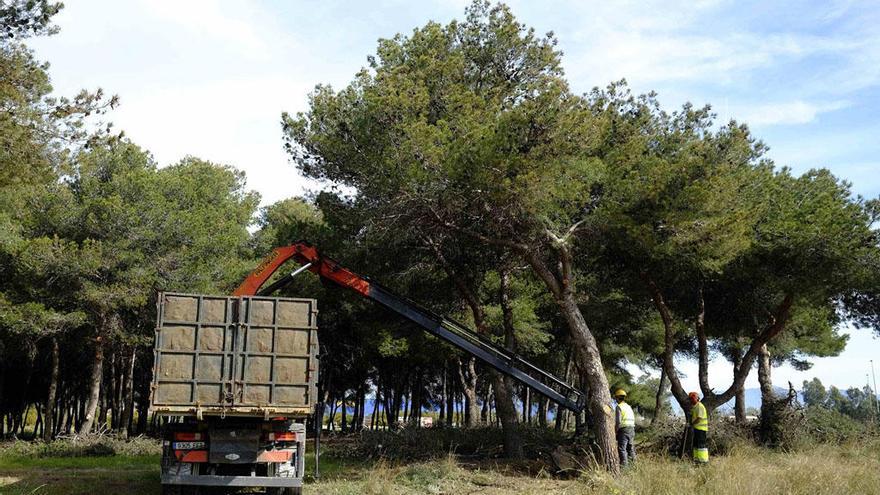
(307, 255)
(445, 328)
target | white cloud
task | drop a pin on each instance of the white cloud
(236, 23)
(793, 112)
(203, 78)
(649, 52)
(236, 122)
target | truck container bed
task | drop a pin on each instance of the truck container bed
(235, 356)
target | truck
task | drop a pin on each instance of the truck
(236, 376)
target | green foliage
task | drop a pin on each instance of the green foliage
(855, 403)
(640, 393)
(118, 229)
(24, 18)
(528, 303)
(471, 122)
(827, 425)
(465, 155)
(814, 393)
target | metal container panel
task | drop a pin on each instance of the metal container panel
(239, 356)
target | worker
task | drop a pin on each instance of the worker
(625, 425)
(700, 425)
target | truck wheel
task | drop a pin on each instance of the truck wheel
(180, 490)
(284, 491)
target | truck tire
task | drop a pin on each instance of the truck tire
(180, 490)
(284, 491)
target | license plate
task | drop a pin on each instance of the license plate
(188, 445)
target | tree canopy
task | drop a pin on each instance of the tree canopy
(593, 234)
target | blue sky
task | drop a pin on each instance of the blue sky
(210, 78)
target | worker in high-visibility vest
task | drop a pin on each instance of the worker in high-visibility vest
(625, 424)
(700, 425)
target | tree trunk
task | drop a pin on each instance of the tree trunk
(373, 420)
(49, 418)
(441, 419)
(586, 349)
(38, 424)
(590, 363)
(115, 390)
(506, 412)
(95, 380)
(504, 406)
(739, 404)
(659, 403)
(389, 409)
(711, 400)
(561, 413)
(70, 410)
(343, 410)
(450, 403)
(331, 416)
(103, 408)
(468, 378)
(764, 379)
(362, 401)
(484, 409)
(542, 412)
(127, 402)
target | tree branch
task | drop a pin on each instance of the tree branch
(518, 247)
(464, 291)
(544, 273)
(563, 240)
(668, 341)
(702, 346)
(777, 323)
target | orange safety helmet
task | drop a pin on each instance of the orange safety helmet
(694, 397)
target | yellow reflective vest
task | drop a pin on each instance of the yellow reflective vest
(699, 417)
(625, 416)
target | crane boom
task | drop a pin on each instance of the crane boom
(445, 328)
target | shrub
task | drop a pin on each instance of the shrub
(82, 446)
(826, 425)
(666, 436)
(411, 443)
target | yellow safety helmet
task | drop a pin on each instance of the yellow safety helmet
(620, 393)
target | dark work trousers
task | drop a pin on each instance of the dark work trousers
(625, 447)
(701, 447)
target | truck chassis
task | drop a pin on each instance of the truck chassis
(233, 452)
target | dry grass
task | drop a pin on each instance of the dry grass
(825, 469)
(851, 468)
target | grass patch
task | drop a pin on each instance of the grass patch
(113, 462)
(84, 446)
(79, 475)
(80, 465)
(821, 470)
